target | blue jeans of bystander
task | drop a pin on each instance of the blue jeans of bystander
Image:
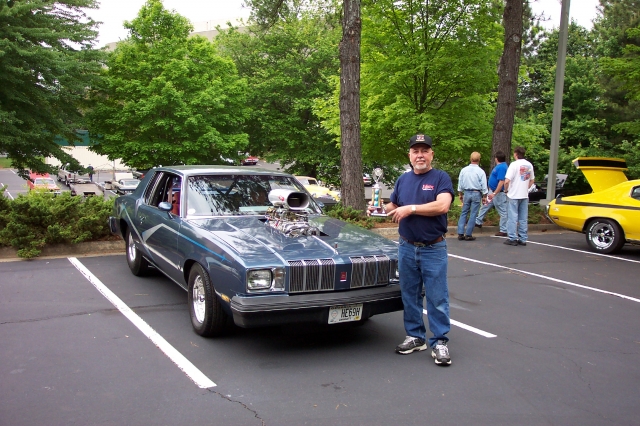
(499, 201)
(517, 219)
(424, 267)
(470, 206)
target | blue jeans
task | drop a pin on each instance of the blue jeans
(499, 201)
(517, 219)
(470, 206)
(424, 267)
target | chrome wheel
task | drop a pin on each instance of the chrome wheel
(131, 248)
(605, 236)
(198, 299)
(602, 235)
(207, 315)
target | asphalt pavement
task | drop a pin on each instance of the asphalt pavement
(545, 334)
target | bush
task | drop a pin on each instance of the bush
(38, 218)
(351, 215)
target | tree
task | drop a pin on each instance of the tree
(350, 147)
(508, 71)
(428, 67)
(267, 12)
(288, 66)
(46, 64)
(167, 98)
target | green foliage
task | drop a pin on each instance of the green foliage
(351, 215)
(287, 67)
(429, 66)
(167, 98)
(46, 64)
(32, 221)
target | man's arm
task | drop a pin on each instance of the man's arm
(435, 208)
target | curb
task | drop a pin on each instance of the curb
(89, 248)
(485, 231)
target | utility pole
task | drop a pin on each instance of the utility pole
(557, 102)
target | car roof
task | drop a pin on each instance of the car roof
(34, 175)
(238, 170)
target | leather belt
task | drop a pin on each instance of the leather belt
(472, 190)
(421, 244)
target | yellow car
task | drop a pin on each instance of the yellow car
(610, 215)
(316, 190)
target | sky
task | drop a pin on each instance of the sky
(113, 13)
(582, 11)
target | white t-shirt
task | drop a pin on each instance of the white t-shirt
(519, 173)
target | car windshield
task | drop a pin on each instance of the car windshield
(231, 195)
(132, 182)
(44, 181)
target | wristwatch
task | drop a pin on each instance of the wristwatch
(413, 209)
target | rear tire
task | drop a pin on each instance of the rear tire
(138, 265)
(207, 317)
(605, 236)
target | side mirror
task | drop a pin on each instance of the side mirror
(164, 206)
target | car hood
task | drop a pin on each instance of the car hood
(252, 239)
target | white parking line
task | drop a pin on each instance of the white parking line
(468, 327)
(583, 251)
(633, 299)
(178, 359)
(6, 192)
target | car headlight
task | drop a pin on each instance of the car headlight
(265, 279)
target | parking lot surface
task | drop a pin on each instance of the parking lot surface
(545, 334)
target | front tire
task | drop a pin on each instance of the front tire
(207, 317)
(605, 236)
(138, 265)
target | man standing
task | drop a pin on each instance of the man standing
(419, 203)
(497, 196)
(472, 186)
(90, 172)
(518, 180)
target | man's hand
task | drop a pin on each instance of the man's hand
(399, 213)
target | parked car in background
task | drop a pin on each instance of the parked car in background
(367, 179)
(139, 173)
(538, 191)
(316, 190)
(249, 160)
(125, 186)
(253, 248)
(66, 176)
(610, 215)
(43, 182)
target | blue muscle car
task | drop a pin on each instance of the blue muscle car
(254, 248)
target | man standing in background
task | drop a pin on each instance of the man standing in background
(472, 186)
(518, 180)
(497, 196)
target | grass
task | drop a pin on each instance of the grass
(5, 163)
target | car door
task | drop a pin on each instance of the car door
(159, 230)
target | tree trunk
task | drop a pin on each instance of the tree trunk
(508, 74)
(350, 149)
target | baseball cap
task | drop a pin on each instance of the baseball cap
(418, 139)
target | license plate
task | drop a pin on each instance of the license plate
(345, 313)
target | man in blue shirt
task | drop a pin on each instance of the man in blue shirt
(419, 204)
(472, 186)
(497, 196)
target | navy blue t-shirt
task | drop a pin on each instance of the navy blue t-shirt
(416, 189)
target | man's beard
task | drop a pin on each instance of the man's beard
(424, 166)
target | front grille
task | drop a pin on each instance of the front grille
(369, 271)
(311, 275)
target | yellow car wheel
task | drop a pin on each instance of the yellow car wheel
(605, 236)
